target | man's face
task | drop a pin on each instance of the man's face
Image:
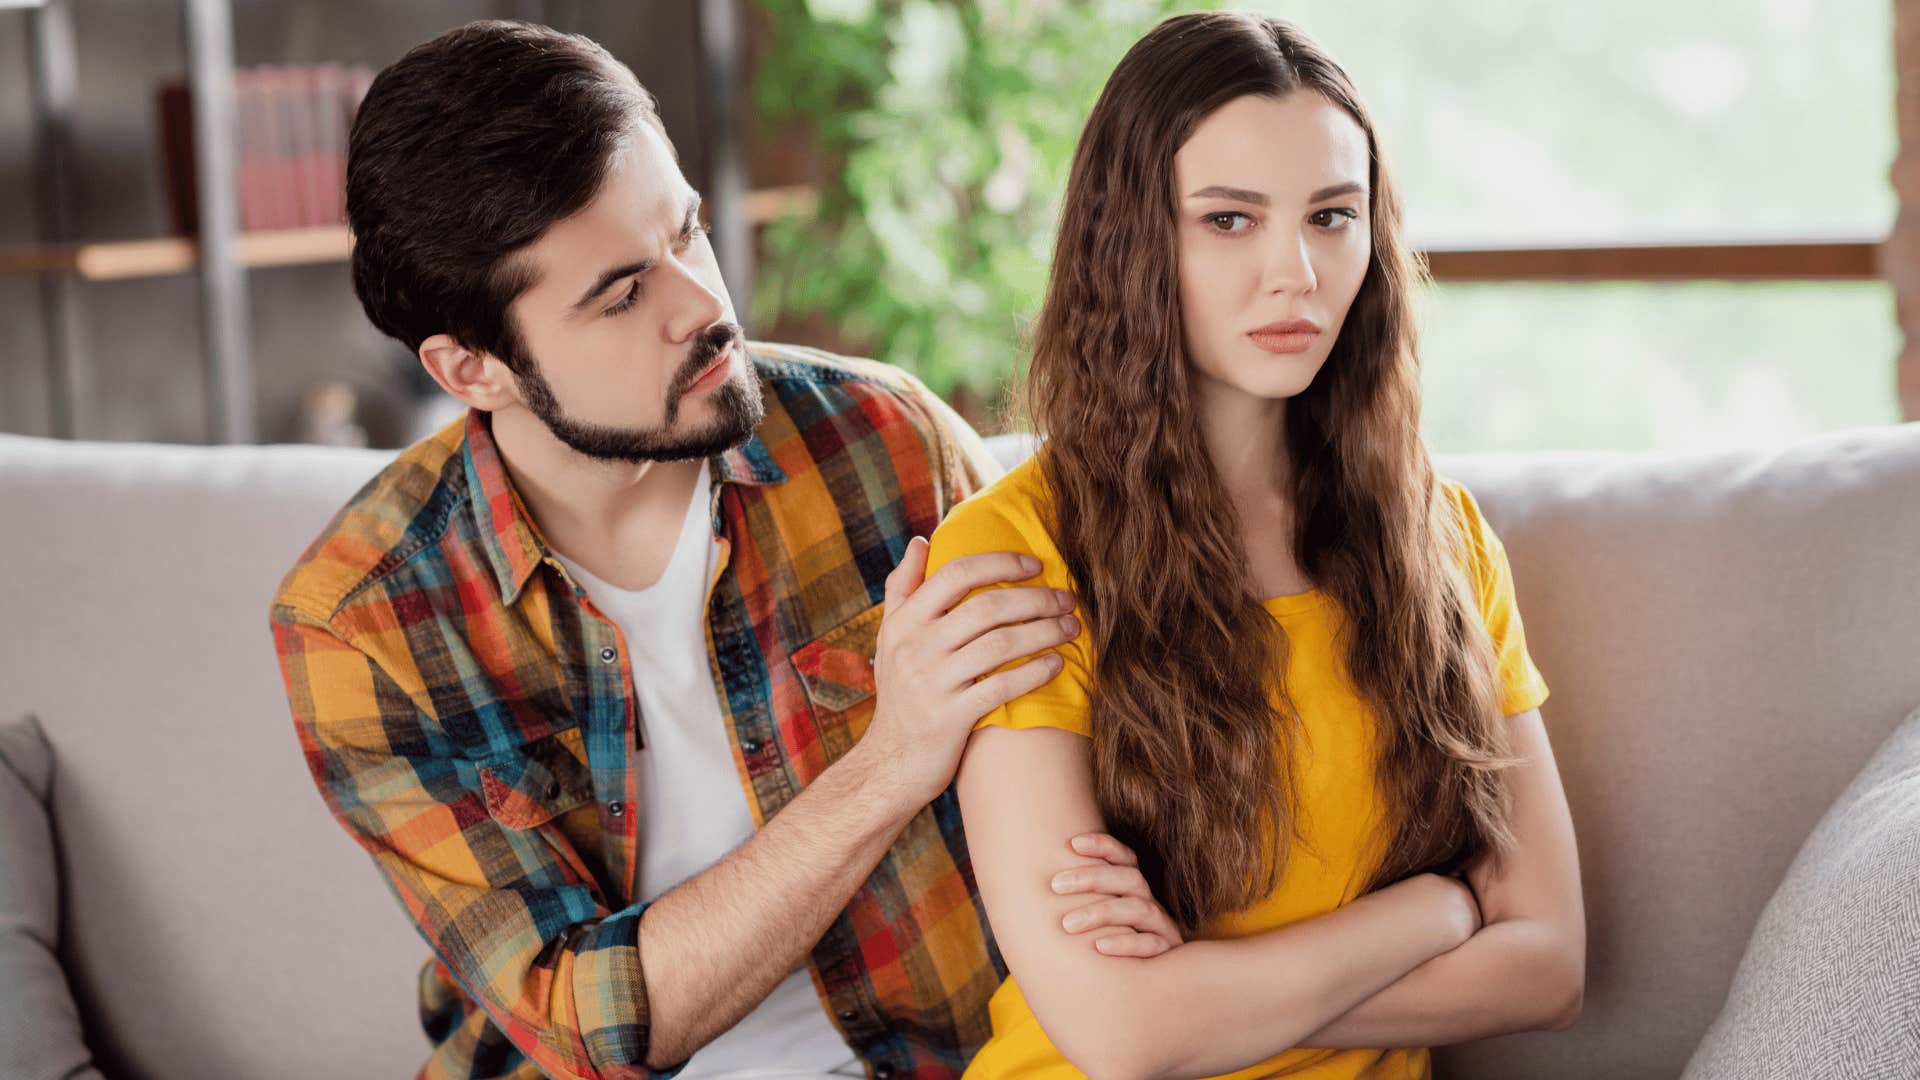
(631, 349)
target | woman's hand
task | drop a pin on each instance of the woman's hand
(1129, 920)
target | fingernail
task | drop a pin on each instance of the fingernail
(1062, 882)
(1030, 564)
(1075, 921)
(1065, 598)
(1069, 624)
(1082, 843)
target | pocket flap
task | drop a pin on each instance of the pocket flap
(532, 784)
(836, 668)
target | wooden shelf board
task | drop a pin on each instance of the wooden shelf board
(1809, 261)
(120, 259)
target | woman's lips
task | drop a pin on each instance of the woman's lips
(1293, 337)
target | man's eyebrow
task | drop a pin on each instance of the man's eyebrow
(605, 280)
(1217, 191)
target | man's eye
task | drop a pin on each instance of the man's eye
(627, 301)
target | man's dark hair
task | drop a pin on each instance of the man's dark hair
(466, 150)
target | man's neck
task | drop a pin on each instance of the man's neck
(618, 519)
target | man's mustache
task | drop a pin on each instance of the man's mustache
(705, 351)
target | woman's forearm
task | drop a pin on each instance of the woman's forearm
(1511, 976)
(1214, 1006)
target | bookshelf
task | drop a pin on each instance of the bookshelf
(220, 251)
(120, 259)
(61, 264)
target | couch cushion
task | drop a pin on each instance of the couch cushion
(40, 1031)
(1830, 985)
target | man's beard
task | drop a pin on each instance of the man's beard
(737, 411)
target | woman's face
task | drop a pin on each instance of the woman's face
(1274, 226)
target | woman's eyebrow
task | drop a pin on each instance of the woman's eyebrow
(1351, 187)
(1217, 191)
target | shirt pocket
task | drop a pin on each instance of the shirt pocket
(532, 784)
(836, 672)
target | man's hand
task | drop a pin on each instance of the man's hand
(1132, 922)
(934, 667)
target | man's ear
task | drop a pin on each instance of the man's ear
(478, 380)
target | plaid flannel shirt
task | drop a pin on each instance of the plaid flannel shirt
(467, 714)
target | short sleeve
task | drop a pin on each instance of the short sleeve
(1004, 518)
(1521, 686)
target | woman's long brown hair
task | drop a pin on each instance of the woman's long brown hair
(1189, 731)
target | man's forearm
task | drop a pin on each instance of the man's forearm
(713, 947)
(1511, 976)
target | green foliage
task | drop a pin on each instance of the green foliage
(948, 129)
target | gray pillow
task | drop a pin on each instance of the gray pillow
(40, 1036)
(1830, 984)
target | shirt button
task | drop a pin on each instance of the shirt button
(553, 790)
(608, 655)
(616, 809)
(883, 1070)
(849, 1015)
(749, 746)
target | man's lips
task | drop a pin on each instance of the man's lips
(719, 365)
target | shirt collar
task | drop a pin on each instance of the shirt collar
(509, 535)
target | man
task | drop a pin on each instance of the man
(630, 681)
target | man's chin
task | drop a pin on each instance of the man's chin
(735, 412)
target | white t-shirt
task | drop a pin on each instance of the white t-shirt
(692, 808)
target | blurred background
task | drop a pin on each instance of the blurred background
(1650, 225)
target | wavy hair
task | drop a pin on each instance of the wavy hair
(1190, 730)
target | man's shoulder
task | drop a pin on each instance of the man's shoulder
(846, 407)
(404, 508)
(799, 368)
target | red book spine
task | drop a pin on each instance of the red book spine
(255, 204)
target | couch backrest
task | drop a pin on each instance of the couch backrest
(217, 922)
(1727, 637)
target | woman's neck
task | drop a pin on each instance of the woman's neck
(1246, 437)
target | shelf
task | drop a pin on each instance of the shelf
(120, 259)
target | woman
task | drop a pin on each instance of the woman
(1301, 694)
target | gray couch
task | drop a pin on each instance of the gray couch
(1727, 636)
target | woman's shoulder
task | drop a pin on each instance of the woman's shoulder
(1008, 515)
(1480, 548)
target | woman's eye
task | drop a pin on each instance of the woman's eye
(627, 301)
(1323, 218)
(1229, 221)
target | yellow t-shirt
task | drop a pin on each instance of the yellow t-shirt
(1339, 795)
